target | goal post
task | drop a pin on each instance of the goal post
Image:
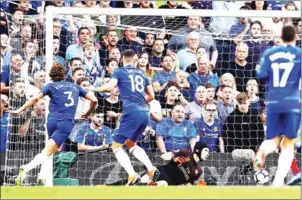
(52, 12)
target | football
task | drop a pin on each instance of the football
(261, 177)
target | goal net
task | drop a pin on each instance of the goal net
(185, 52)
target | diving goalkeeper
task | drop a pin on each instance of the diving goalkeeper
(182, 169)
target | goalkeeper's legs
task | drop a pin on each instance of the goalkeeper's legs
(50, 148)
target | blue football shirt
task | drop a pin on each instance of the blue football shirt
(90, 137)
(282, 66)
(132, 83)
(64, 98)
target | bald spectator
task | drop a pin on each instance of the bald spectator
(240, 68)
(194, 23)
(187, 56)
(227, 104)
(195, 109)
(203, 75)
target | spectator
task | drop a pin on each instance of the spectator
(149, 41)
(5, 49)
(297, 24)
(77, 73)
(257, 103)
(209, 129)
(175, 133)
(111, 42)
(222, 25)
(227, 79)
(56, 48)
(95, 135)
(75, 62)
(76, 50)
(16, 23)
(130, 41)
(268, 35)
(202, 76)
(143, 63)
(187, 56)
(174, 22)
(12, 72)
(4, 132)
(93, 69)
(239, 67)
(83, 106)
(157, 53)
(256, 45)
(3, 20)
(172, 97)
(32, 129)
(39, 80)
(183, 85)
(26, 35)
(240, 31)
(162, 78)
(227, 104)
(30, 66)
(115, 54)
(243, 128)
(111, 107)
(290, 6)
(195, 109)
(210, 93)
(206, 41)
(111, 65)
(260, 6)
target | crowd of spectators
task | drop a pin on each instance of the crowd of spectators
(206, 87)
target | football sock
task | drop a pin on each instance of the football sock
(141, 155)
(294, 167)
(38, 160)
(284, 163)
(124, 160)
(268, 146)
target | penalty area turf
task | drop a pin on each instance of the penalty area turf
(147, 192)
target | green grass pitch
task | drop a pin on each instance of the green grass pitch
(122, 192)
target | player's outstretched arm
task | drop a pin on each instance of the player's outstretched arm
(93, 102)
(149, 93)
(107, 87)
(27, 104)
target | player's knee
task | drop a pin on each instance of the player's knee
(130, 144)
(288, 143)
(276, 140)
(51, 147)
(116, 145)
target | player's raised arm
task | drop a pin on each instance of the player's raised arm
(107, 87)
(149, 93)
(93, 102)
(29, 103)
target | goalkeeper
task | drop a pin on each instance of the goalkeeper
(182, 169)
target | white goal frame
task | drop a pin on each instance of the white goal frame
(51, 11)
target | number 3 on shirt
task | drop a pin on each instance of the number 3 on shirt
(137, 83)
(70, 99)
(276, 73)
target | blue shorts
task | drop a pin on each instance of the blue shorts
(286, 124)
(131, 127)
(59, 130)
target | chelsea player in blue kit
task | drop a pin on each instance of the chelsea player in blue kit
(282, 66)
(135, 90)
(62, 108)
